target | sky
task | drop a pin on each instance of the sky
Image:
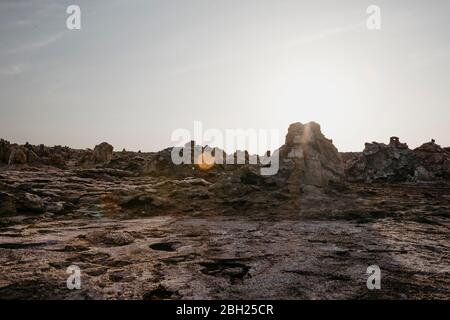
(140, 69)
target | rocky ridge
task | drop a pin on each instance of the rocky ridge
(395, 162)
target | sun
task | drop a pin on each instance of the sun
(205, 161)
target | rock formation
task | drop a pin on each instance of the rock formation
(434, 161)
(17, 156)
(395, 162)
(309, 158)
(102, 153)
(381, 162)
(12, 154)
(161, 164)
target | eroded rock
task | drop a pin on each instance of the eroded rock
(110, 238)
(17, 156)
(102, 153)
(381, 162)
(309, 158)
(434, 159)
(32, 202)
(395, 162)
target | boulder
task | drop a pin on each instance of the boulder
(102, 153)
(110, 238)
(434, 159)
(17, 156)
(32, 202)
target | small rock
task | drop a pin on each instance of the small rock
(118, 239)
(33, 202)
(55, 207)
(113, 239)
(194, 182)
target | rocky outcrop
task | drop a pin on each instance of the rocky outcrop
(13, 154)
(21, 155)
(381, 162)
(434, 161)
(159, 164)
(102, 153)
(162, 164)
(309, 158)
(17, 156)
(395, 162)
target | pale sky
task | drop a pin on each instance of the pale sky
(139, 69)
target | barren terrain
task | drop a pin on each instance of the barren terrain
(140, 227)
(214, 251)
